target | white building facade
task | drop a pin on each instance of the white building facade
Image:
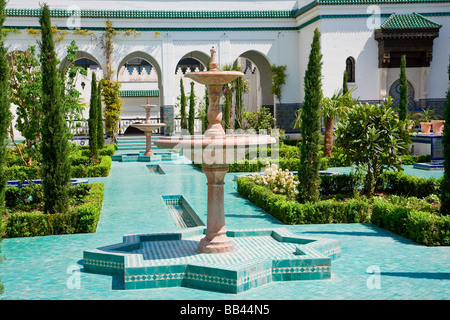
(170, 37)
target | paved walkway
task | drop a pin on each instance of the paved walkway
(49, 267)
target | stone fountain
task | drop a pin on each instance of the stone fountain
(215, 150)
(190, 257)
(147, 127)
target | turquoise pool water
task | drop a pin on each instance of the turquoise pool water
(51, 267)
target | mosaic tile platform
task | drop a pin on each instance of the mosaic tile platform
(429, 166)
(171, 260)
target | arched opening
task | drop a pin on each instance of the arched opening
(192, 61)
(256, 68)
(83, 59)
(394, 92)
(140, 77)
(350, 68)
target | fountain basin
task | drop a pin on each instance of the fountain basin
(214, 77)
(171, 260)
(215, 149)
(148, 126)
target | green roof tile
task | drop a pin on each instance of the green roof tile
(409, 21)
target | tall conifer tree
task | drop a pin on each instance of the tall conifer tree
(100, 134)
(5, 114)
(308, 172)
(93, 119)
(345, 83)
(184, 123)
(54, 145)
(191, 117)
(403, 103)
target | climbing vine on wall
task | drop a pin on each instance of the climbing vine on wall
(110, 87)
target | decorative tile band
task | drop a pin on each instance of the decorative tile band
(152, 14)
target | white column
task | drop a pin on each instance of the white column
(168, 67)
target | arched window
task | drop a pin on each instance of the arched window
(350, 67)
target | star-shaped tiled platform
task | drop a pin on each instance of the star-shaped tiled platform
(171, 259)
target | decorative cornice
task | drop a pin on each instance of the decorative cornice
(149, 14)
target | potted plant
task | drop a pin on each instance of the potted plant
(437, 125)
(424, 119)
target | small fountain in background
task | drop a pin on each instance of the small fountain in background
(147, 127)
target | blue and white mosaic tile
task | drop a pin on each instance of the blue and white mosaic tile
(171, 259)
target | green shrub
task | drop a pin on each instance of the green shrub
(100, 170)
(403, 184)
(81, 218)
(430, 229)
(291, 212)
(22, 173)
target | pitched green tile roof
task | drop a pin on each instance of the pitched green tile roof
(409, 21)
(139, 93)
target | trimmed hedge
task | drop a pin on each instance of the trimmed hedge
(82, 217)
(420, 226)
(81, 166)
(416, 221)
(100, 170)
(291, 212)
(398, 183)
(402, 184)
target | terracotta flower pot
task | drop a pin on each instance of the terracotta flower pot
(425, 127)
(438, 126)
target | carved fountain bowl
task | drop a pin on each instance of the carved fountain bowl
(214, 77)
(215, 149)
(148, 126)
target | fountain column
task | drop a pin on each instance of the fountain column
(216, 240)
(214, 114)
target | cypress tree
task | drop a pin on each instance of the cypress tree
(345, 83)
(191, 110)
(54, 144)
(308, 172)
(184, 124)
(403, 103)
(93, 121)
(100, 134)
(5, 114)
(445, 184)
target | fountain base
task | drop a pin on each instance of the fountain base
(161, 260)
(215, 243)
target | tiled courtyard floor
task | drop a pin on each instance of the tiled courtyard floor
(51, 267)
